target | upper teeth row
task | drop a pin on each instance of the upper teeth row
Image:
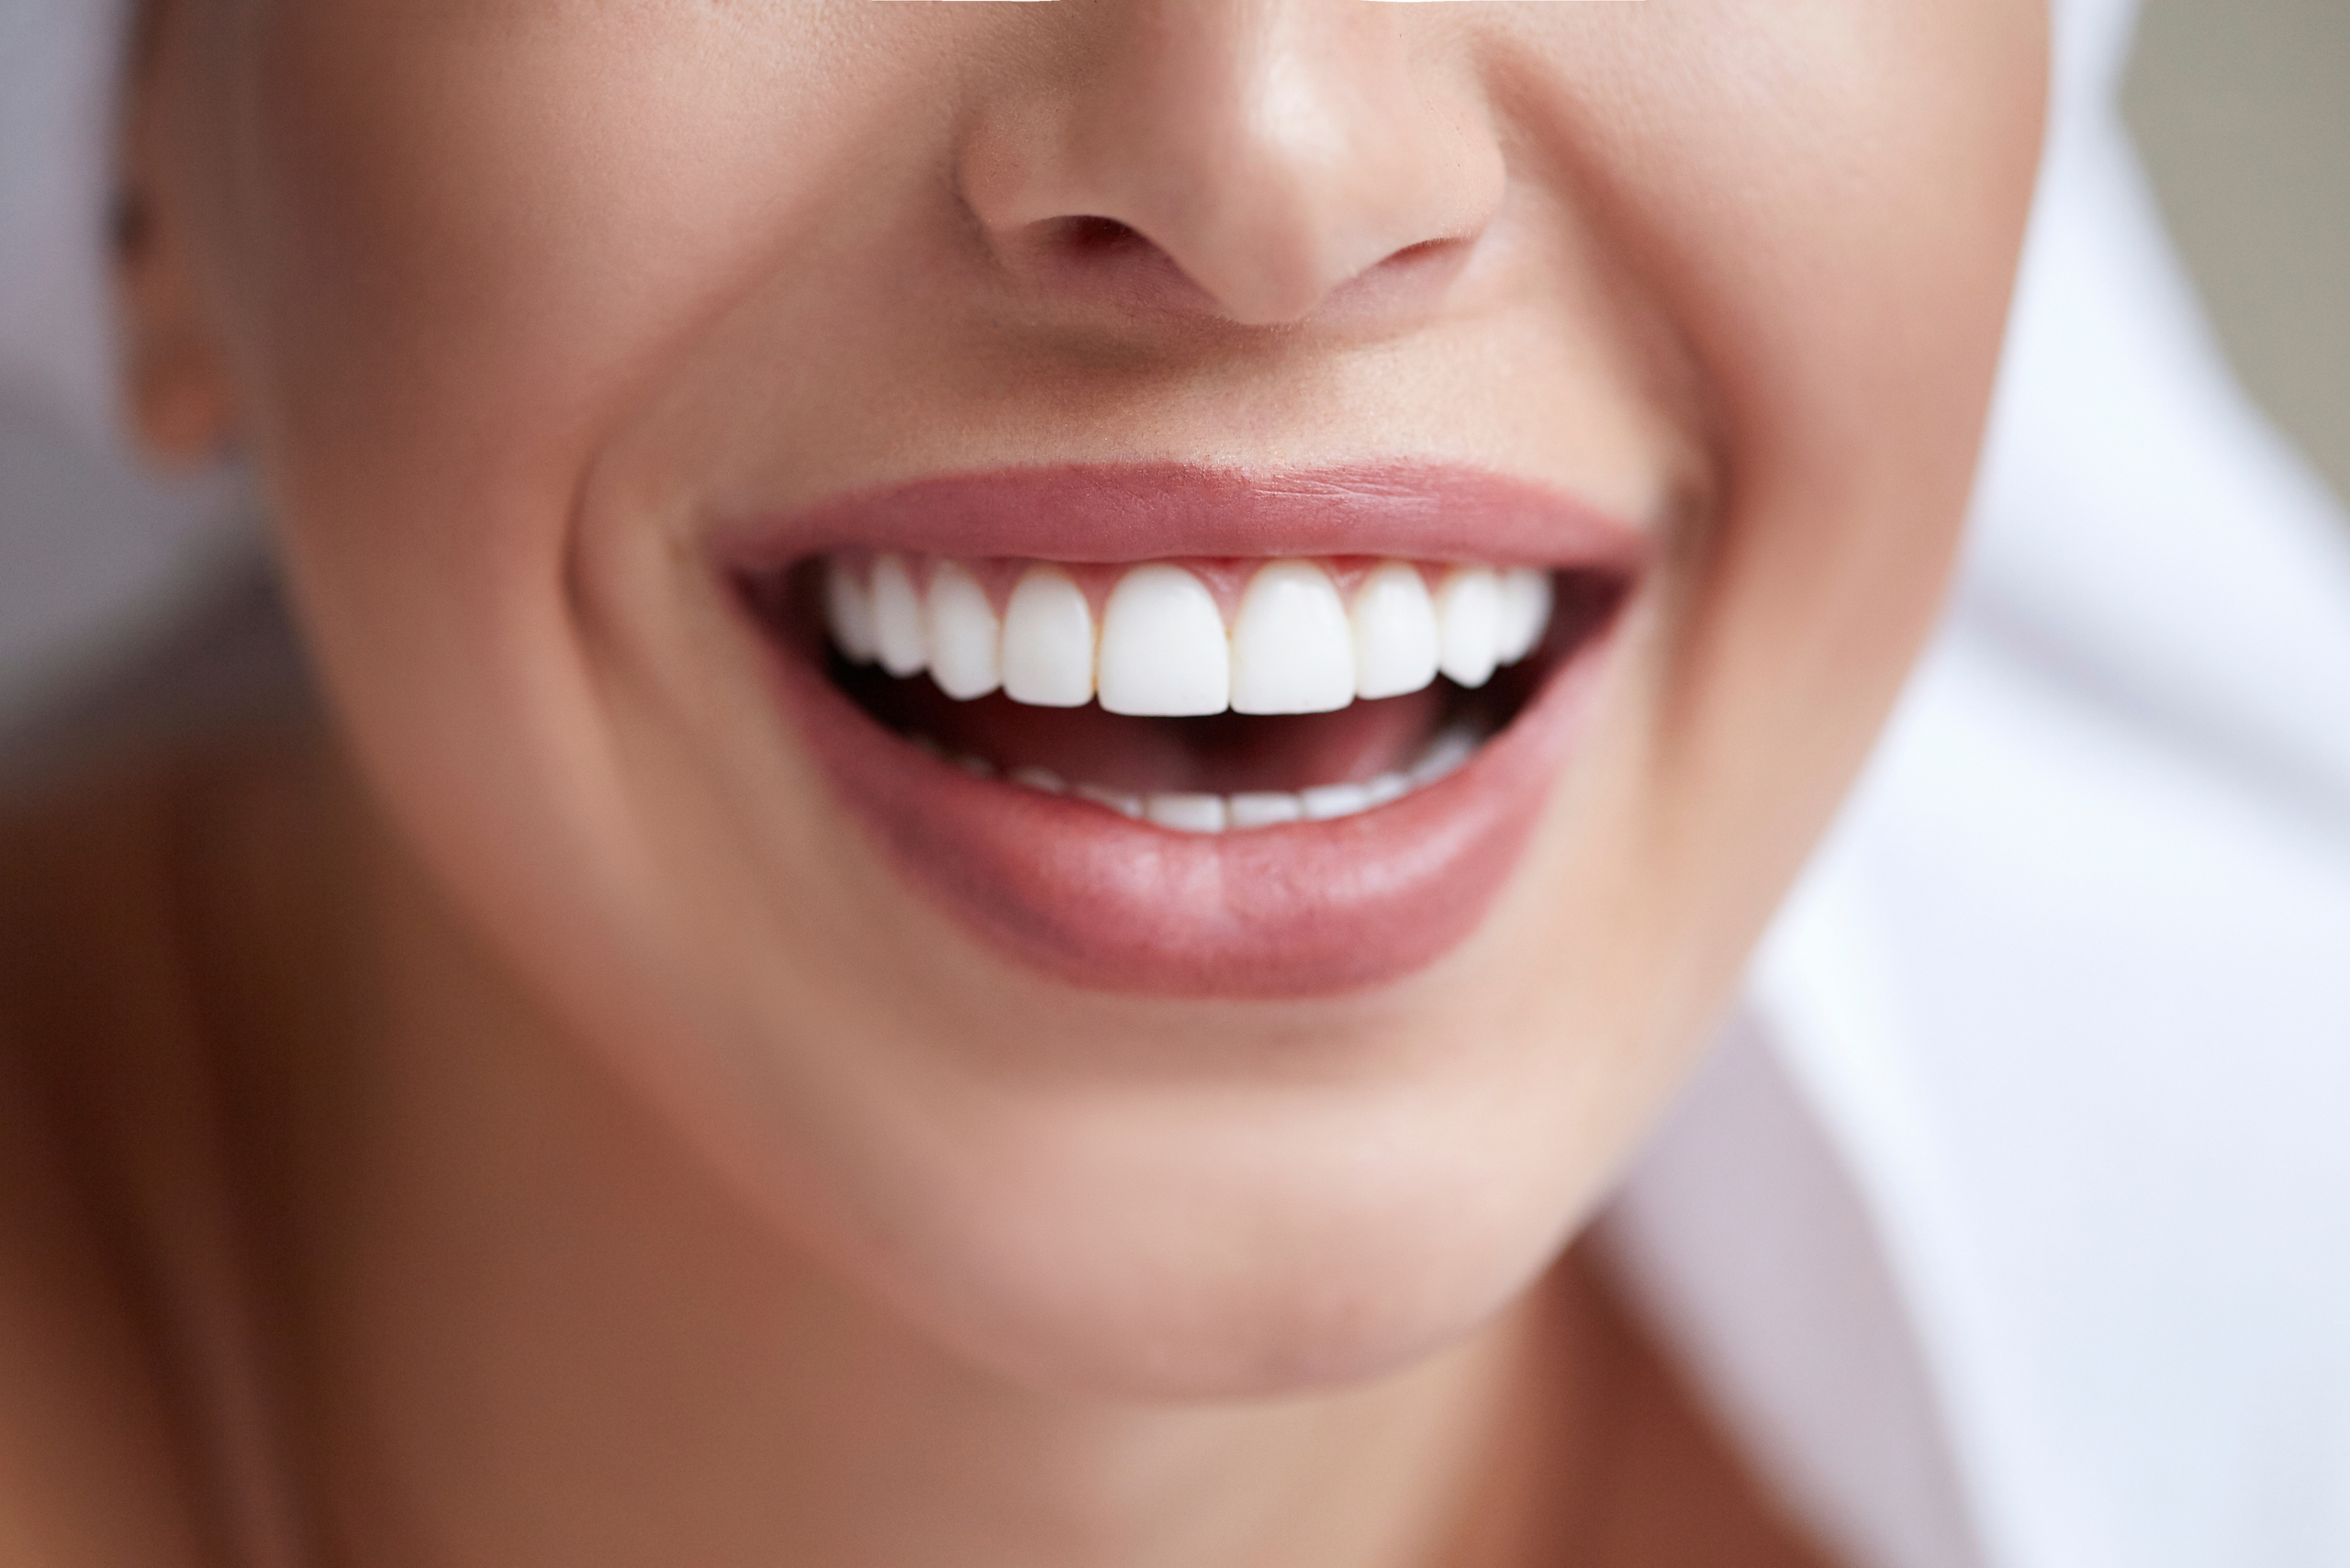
(1162, 648)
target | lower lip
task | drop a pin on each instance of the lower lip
(1108, 903)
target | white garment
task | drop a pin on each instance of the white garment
(2012, 1227)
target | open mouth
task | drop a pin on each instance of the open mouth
(1204, 695)
(1226, 774)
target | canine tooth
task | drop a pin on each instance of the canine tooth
(1048, 642)
(1118, 801)
(1043, 779)
(1526, 612)
(965, 638)
(848, 611)
(1389, 786)
(1293, 651)
(1187, 814)
(1394, 632)
(897, 618)
(1264, 809)
(1468, 614)
(1163, 648)
(1326, 800)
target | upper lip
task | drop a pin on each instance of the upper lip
(1112, 513)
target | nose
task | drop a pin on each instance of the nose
(1249, 157)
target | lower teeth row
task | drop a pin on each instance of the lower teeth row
(1189, 812)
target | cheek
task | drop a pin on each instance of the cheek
(441, 315)
(1827, 211)
(445, 314)
(479, 288)
(1851, 310)
(1838, 231)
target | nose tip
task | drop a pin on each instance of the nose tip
(1253, 157)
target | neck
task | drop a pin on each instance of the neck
(553, 1334)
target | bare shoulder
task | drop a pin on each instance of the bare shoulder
(103, 1024)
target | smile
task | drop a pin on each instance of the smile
(1194, 769)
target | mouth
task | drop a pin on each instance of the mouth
(1178, 731)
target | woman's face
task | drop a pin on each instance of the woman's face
(573, 341)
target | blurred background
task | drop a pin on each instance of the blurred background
(2242, 108)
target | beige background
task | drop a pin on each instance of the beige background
(2243, 111)
(2242, 107)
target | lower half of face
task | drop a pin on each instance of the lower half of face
(1150, 661)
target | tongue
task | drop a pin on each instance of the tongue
(1227, 754)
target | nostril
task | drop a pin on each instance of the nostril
(1425, 250)
(1430, 261)
(1090, 256)
(1091, 236)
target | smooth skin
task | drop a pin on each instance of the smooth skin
(528, 1122)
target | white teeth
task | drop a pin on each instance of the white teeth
(1451, 749)
(897, 618)
(1394, 632)
(1255, 809)
(1043, 779)
(1048, 642)
(1265, 809)
(1294, 645)
(1163, 648)
(1188, 813)
(1118, 801)
(849, 608)
(1468, 617)
(1326, 800)
(964, 637)
(1293, 651)
(1525, 611)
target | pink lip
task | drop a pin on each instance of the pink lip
(1108, 903)
(1160, 511)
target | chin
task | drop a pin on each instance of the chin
(1241, 1252)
